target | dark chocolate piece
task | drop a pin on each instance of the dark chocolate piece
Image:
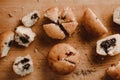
(34, 16)
(107, 44)
(24, 60)
(24, 39)
(26, 66)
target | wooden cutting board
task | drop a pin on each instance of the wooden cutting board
(91, 66)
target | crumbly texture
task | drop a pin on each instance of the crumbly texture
(6, 39)
(92, 24)
(23, 65)
(31, 18)
(24, 36)
(63, 58)
(109, 45)
(114, 71)
(65, 20)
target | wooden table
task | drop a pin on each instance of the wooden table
(91, 66)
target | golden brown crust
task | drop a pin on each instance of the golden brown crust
(53, 31)
(52, 13)
(70, 27)
(63, 58)
(92, 24)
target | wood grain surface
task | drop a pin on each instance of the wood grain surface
(91, 67)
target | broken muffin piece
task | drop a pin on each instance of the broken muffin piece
(23, 65)
(30, 19)
(66, 22)
(63, 58)
(52, 14)
(109, 45)
(24, 36)
(116, 16)
(6, 39)
(114, 71)
(54, 31)
(67, 15)
(92, 24)
(70, 27)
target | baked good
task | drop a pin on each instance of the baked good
(52, 14)
(23, 65)
(54, 31)
(64, 20)
(114, 71)
(92, 24)
(67, 15)
(24, 36)
(63, 58)
(116, 16)
(109, 45)
(6, 39)
(31, 18)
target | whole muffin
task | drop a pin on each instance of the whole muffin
(63, 58)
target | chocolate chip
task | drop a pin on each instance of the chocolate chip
(24, 39)
(34, 16)
(26, 66)
(24, 60)
(107, 44)
(10, 43)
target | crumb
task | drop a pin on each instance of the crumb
(36, 50)
(22, 8)
(10, 15)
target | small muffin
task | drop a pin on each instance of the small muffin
(92, 24)
(64, 21)
(114, 71)
(116, 16)
(109, 45)
(30, 19)
(23, 65)
(24, 36)
(6, 39)
(52, 14)
(63, 58)
(54, 31)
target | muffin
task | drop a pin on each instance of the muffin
(63, 58)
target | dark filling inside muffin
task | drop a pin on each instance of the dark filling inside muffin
(24, 60)
(26, 66)
(10, 43)
(24, 39)
(107, 44)
(34, 16)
